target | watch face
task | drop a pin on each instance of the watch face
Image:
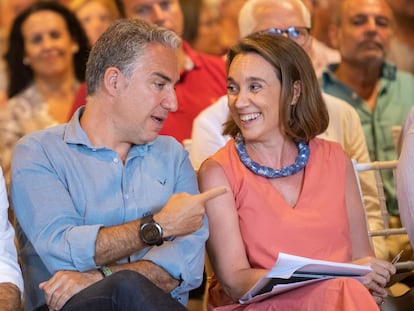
(150, 233)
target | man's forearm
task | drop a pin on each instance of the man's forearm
(9, 297)
(114, 243)
(151, 271)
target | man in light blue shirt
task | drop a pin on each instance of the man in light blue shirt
(104, 197)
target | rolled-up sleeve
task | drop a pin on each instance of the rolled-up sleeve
(40, 196)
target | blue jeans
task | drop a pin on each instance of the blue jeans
(122, 291)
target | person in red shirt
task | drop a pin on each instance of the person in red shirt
(202, 77)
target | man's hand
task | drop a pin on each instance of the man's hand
(183, 213)
(64, 284)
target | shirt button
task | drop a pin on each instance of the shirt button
(116, 160)
(126, 197)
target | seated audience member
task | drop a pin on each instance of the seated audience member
(201, 26)
(202, 77)
(9, 9)
(289, 191)
(95, 16)
(11, 282)
(344, 125)
(92, 235)
(381, 94)
(405, 174)
(46, 59)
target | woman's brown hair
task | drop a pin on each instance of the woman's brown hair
(309, 116)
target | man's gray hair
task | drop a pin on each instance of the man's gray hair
(121, 45)
(247, 21)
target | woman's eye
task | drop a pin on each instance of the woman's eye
(55, 34)
(231, 89)
(255, 87)
(36, 39)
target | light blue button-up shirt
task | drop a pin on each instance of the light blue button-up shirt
(64, 189)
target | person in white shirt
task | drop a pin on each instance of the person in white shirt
(405, 173)
(11, 281)
(292, 18)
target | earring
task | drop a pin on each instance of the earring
(75, 49)
(25, 61)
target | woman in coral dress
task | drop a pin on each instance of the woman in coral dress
(310, 208)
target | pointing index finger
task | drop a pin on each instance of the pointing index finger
(211, 194)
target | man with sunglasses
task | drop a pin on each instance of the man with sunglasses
(291, 18)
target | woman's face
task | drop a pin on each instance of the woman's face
(95, 18)
(253, 91)
(49, 48)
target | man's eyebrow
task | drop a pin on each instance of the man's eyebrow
(162, 76)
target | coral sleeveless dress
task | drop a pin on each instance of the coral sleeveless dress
(317, 227)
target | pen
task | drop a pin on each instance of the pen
(397, 257)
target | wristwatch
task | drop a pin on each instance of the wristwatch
(150, 231)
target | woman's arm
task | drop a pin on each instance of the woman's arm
(225, 245)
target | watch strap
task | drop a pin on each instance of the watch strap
(105, 271)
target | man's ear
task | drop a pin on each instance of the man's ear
(112, 80)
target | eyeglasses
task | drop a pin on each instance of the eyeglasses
(298, 34)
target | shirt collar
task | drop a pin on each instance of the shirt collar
(388, 72)
(74, 134)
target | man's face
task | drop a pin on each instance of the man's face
(165, 13)
(280, 15)
(145, 99)
(364, 35)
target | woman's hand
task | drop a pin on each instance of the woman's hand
(378, 278)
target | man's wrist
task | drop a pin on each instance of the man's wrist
(105, 271)
(150, 232)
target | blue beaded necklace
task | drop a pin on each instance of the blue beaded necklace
(264, 171)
